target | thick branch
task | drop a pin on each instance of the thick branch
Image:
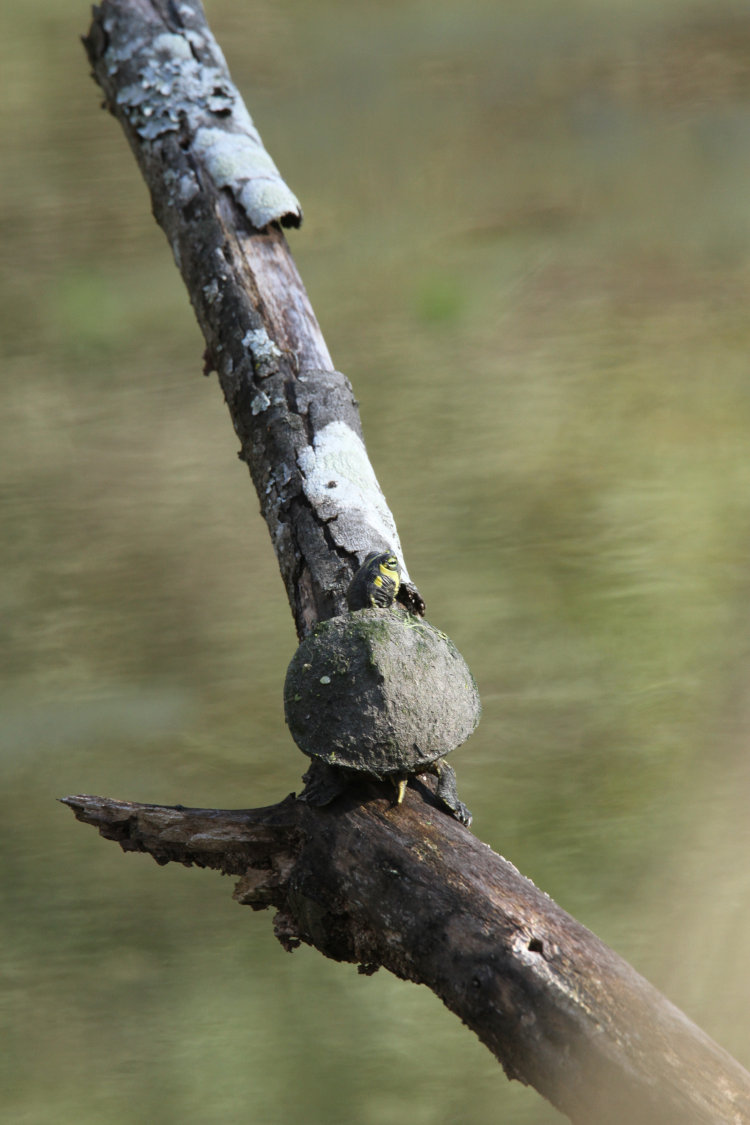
(212, 185)
(386, 886)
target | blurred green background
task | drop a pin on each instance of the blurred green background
(527, 240)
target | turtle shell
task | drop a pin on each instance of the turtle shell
(380, 692)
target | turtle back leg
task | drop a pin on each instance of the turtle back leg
(323, 783)
(447, 791)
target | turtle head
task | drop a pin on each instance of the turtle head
(376, 583)
(383, 579)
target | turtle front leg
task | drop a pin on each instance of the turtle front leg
(447, 791)
(400, 783)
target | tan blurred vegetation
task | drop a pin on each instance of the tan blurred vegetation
(527, 240)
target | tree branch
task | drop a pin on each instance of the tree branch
(405, 887)
(410, 889)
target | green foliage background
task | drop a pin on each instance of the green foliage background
(527, 240)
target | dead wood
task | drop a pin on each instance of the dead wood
(410, 889)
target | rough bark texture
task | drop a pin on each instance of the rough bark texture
(165, 79)
(404, 887)
(408, 888)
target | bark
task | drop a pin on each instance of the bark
(408, 888)
(405, 887)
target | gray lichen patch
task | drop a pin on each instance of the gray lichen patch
(266, 354)
(180, 83)
(380, 692)
(260, 403)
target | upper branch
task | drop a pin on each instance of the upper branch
(219, 199)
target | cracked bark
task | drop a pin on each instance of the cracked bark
(407, 887)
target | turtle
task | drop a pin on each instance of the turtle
(379, 693)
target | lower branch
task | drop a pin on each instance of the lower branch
(410, 889)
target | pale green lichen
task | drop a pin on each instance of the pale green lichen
(175, 91)
(340, 483)
(265, 352)
(260, 403)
